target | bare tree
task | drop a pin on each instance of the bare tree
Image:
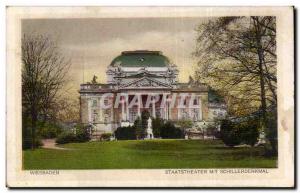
(67, 110)
(43, 75)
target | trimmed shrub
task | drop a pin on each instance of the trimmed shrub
(48, 130)
(185, 124)
(249, 132)
(66, 137)
(157, 124)
(230, 134)
(82, 133)
(125, 133)
(211, 130)
(105, 136)
(235, 133)
(169, 131)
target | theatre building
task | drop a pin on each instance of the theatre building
(140, 81)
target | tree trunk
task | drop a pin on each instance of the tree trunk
(262, 94)
(260, 53)
(261, 70)
(33, 129)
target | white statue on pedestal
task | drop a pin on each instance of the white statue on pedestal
(149, 129)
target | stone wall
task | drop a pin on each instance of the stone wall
(84, 110)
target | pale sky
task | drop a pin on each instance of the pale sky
(91, 44)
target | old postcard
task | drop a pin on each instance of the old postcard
(150, 97)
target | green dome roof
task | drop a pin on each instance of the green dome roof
(141, 58)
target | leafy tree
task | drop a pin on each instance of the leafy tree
(211, 129)
(184, 123)
(237, 57)
(66, 109)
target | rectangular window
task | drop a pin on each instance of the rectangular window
(94, 103)
(196, 102)
(107, 116)
(184, 114)
(184, 102)
(105, 102)
(158, 112)
(95, 115)
(195, 114)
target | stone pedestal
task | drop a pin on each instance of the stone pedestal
(125, 124)
(149, 134)
(261, 138)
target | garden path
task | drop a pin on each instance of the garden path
(50, 144)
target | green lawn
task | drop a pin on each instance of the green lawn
(147, 154)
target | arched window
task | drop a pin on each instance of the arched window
(196, 102)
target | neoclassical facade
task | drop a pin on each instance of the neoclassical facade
(140, 81)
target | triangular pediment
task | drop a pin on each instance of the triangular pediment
(146, 82)
(143, 74)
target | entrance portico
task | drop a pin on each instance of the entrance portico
(138, 101)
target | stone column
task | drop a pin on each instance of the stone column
(127, 108)
(89, 110)
(165, 114)
(190, 101)
(153, 109)
(101, 114)
(167, 110)
(123, 109)
(200, 109)
(112, 110)
(139, 105)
